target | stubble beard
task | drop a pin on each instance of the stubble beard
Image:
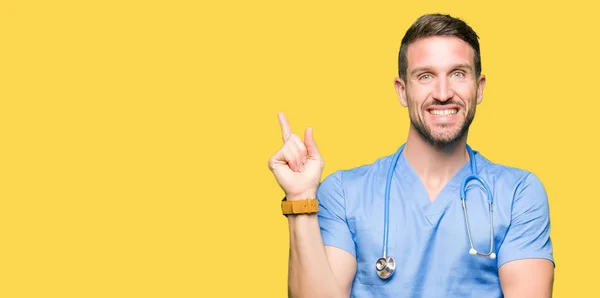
(443, 139)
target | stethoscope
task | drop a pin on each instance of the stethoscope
(386, 265)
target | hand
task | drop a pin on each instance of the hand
(297, 166)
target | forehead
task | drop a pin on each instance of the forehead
(439, 52)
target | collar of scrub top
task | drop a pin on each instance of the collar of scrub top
(473, 176)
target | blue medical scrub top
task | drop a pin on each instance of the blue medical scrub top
(428, 239)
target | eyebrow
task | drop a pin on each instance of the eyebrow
(456, 66)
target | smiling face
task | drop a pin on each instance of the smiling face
(441, 89)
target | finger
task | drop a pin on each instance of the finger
(286, 130)
(279, 159)
(290, 154)
(301, 158)
(277, 163)
(311, 145)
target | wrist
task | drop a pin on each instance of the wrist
(301, 196)
(295, 207)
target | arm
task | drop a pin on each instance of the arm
(322, 256)
(525, 256)
(315, 270)
(527, 278)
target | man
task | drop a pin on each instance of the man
(437, 250)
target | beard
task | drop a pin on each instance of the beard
(447, 135)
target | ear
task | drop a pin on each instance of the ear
(401, 91)
(480, 86)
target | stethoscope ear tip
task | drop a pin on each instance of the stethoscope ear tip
(492, 256)
(472, 251)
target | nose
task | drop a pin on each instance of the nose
(442, 90)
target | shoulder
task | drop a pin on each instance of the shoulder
(511, 180)
(503, 172)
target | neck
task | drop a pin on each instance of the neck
(435, 165)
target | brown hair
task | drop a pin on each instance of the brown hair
(438, 25)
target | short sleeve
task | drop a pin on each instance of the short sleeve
(332, 214)
(528, 235)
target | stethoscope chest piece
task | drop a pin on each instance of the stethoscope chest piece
(385, 267)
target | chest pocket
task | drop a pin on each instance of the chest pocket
(368, 237)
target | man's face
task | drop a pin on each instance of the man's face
(441, 90)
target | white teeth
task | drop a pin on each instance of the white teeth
(443, 112)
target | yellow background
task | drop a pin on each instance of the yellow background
(135, 135)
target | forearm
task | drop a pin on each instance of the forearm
(310, 274)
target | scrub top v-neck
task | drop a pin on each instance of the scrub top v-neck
(428, 239)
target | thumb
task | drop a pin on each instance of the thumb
(311, 146)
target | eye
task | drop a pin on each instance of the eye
(458, 74)
(425, 77)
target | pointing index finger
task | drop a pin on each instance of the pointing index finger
(286, 130)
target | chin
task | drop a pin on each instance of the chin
(445, 135)
(442, 139)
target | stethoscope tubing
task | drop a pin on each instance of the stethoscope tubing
(473, 176)
(388, 184)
